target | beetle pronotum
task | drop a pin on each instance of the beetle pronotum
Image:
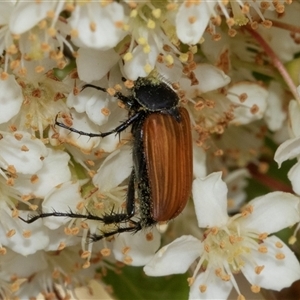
(162, 157)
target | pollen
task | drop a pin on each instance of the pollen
(267, 23)
(207, 248)
(280, 256)
(241, 297)
(67, 231)
(11, 169)
(148, 68)
(119, 24)
(149, 236)
(280, 8)
(128, 260)
(61, 246)
(86, 265)
(202, 288)
(3, 251)
(126, 249)
(10, 233)
(263, 249)
(230, 22)
(258, 269)
(151, 24)
(75, 230)
(243, 97)
(85, 254)
(263, 236)
(105, 252)
(24, 148)
(4, 75)
(183, 57)
(39, 69)
(52, 32)
(255, 288)
(146, 49)
(133, 13)
(156, 13)
(190, 280)
(74, 33)
(192, 19)
(278, 244)
(105, 111)
(34, 179)
(214, 230)
(26, 234)
(15, 213)
(15, 64)
(93, 26)
(247, 210)
(18, 136)
(292, 240)
(128, 56)
(169, 59)
(254, 109)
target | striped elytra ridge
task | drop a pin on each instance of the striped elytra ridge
(169, 161)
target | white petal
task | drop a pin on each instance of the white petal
(191, 32)
(100, 62)
(84, 143)
(210, 200)
(58, 236)
(236, 182)
(294, 117)
(199, 161)
(20, 244)
(107, 178)
(275, 115)
(284, 206)
(28, 14)
(288, 150)
(25, 161)
(11, 98)
(134, 68)
(30, 264)
(294, 177)
(277, 273)
(256, 96)
(174, 258)
(68, 195)
(106, 34)
(210, 78)
(53, 172)
(216, 288)
(141, 250)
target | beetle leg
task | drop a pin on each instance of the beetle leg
(118, 129)
(136, 226)
(109, 218)
(126, 100)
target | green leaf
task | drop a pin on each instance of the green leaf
(132, 283)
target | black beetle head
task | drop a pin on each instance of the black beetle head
(154, 94)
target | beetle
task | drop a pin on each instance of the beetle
(162, 157)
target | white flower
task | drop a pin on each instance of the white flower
(291, 148)
(11, 100)
(97, 25)
(192, 20)
(233, 244)
(251, 101)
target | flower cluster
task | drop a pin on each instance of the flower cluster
(233, 66)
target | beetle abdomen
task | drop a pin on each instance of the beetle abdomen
(169, 161)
